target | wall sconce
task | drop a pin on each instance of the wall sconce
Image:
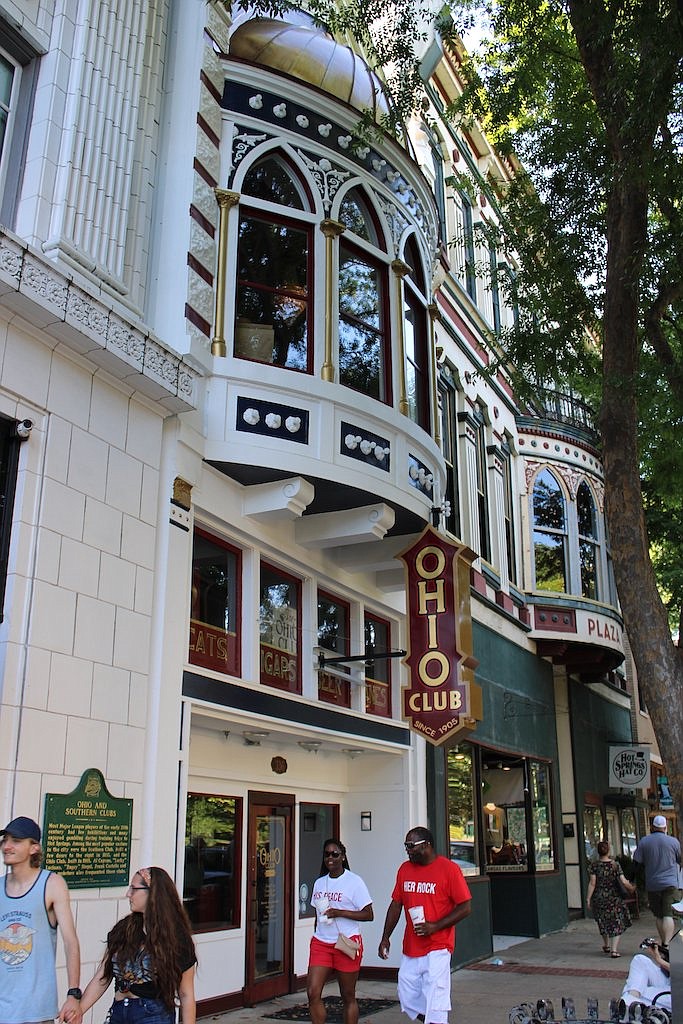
(252, 738)
(352, 752)
(312, 746)
(489, 808)
(366, 821)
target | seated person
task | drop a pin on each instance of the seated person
(648, 977)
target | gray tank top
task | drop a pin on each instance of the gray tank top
(28, 944)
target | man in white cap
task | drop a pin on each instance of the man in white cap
(660, 855)
(33, 904)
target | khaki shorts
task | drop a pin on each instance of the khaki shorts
(661, 900)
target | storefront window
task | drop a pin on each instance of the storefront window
(592, 830)
(280, 629)
(629, 836)
(377, 673)
(462, 845)
(317, 822)
(215, 606)
(504, 816)
(333, 636)
(213, 839)
(541, 817)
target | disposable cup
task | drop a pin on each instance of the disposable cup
(417, 914)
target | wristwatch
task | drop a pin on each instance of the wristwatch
(75, 992)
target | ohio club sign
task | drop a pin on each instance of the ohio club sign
(442, 698)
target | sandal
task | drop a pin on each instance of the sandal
(605, 949)
(615, 956)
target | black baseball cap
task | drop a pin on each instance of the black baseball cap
(22, 828)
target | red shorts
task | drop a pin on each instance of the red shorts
(324, 954)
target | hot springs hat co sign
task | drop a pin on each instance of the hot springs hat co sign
(442, 698)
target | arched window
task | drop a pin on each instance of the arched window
(550, 534)
(273, 300)
(415, 335)
(588, 540)
(364, 362)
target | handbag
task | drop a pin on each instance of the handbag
(348, 946)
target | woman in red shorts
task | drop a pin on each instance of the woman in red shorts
(341, 900)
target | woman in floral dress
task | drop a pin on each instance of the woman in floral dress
(605, 899)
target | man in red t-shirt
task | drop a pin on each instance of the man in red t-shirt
(435, 896)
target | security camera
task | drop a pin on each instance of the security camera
(23, 429)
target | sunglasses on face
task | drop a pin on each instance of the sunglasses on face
(332, 853)
(411, 846)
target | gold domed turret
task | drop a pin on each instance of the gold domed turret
(313, 56)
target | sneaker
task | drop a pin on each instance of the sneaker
(678, 907)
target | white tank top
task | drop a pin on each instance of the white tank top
(28, 944)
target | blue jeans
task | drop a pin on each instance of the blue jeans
(140, 1011)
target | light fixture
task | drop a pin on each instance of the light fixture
(506, 768)
(253, 737)
(352, 752)
(23, 429)
(312, 746)
(366, 821)
(489, 808)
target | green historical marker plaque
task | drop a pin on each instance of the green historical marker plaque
(86, 834)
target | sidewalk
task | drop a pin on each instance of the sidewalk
(567, 963)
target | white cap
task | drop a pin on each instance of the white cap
(659, 821)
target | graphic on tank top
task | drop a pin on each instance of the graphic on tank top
(16, 943)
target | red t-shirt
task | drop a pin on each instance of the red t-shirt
(438, 887)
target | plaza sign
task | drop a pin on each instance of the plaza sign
(442, 698)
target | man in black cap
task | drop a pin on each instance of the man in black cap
(33, 904)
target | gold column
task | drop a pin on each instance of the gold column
(400, 269)
(331, 229)
(434, 373)
(226, 200)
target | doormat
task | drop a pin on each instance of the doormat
(334, 1007)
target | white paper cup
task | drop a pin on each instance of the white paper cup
(417, 914)
(322, 908)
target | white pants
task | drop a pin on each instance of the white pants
(424, 986)
(648, 980)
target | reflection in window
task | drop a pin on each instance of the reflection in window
(333, 636)
(415, 337)
(272, 304)
(588, 540)
(550, 536)
(508, 513)
(629, 835)
(482, 486)
(211, 884)
(541, 817)
(215, 608)
(317, 822)
(449, 441)
(362, 353)
(592, 831)
(280, 629)
(272, 311)
(377, 673)
(462, 846)
(356, 215)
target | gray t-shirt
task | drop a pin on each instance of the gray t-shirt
(660, 855)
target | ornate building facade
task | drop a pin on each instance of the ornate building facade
(241, 368)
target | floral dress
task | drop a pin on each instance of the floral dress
(609, 910)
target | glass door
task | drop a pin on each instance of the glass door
(269, 896)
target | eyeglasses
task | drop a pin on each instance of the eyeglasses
(134, 887)
(411, 846)
(332, 853)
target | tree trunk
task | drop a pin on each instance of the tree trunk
(658, 661)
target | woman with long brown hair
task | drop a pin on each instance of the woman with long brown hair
(150, 957)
